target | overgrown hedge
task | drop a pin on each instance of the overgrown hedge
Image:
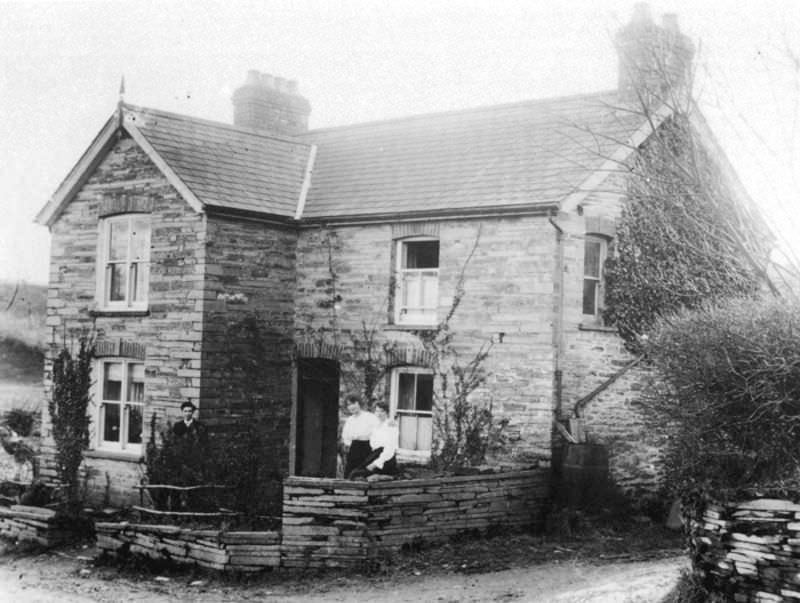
(731, 397)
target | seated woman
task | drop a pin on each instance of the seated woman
(356, 433)
(383, 442)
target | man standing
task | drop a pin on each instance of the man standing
(356, 433)
(190, 427)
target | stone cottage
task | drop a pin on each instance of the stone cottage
(174, 239)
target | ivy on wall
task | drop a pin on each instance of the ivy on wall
(682, 238)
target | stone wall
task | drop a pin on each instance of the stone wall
(248, 329)
(213, 549)
(35, 524)
(592, 353)
(338, 523)
(167, 335)
(329, 523)
(508, 298)
(749, 551)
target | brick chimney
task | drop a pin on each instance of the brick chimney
(653, 59)
(270, 103)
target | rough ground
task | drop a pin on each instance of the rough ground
(638, 564)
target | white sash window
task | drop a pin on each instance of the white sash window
(124, 262)
(417, 296)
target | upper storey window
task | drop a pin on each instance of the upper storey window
(594, 256)
(124, 266)
(418, 281)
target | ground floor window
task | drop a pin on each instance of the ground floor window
(412, 406)
(120, 405)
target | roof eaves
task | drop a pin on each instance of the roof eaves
(536, 208)
(618, 157)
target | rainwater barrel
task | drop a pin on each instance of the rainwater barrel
(585, 478)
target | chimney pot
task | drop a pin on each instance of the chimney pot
(641, 14)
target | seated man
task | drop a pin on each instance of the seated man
(383, 442)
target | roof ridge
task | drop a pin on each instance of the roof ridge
(464, 111)
(217, 124)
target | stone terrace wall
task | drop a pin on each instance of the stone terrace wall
(213, 549)
(749, 551)
(329, 523)
(338, 523)
(34, 524)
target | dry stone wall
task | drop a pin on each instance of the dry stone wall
(329, 523)
(35, 524)
(212, 549)
(749, 551)
(339, 523)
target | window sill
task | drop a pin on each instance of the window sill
(413, 457)
(115, 455)
(118, 312)
(588, 326)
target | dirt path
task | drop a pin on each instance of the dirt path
(51, 578)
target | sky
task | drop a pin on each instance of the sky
(364, 60)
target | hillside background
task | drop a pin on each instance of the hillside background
(22, 344)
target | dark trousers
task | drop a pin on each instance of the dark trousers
(389, 467)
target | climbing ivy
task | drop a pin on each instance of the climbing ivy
(682, 237)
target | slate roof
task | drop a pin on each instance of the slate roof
(516, 155)
(524, 155)
(226, 166)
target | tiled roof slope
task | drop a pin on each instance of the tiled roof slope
(225, 166)
(523, 154)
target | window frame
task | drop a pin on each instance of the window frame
(121, 446)
(401, 317)
(138, 280)
(599, 293)
(407, 454)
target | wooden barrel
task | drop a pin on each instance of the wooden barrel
(585, 479)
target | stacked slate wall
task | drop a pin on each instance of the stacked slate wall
(330, 523)
(212, 549)
(35, 524)
(748, 551)
(339, 523)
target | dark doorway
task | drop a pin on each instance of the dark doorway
(317, 417)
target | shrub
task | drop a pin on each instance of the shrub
(731, 395)
(69, 417)
(238, 458)
(20, 420)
